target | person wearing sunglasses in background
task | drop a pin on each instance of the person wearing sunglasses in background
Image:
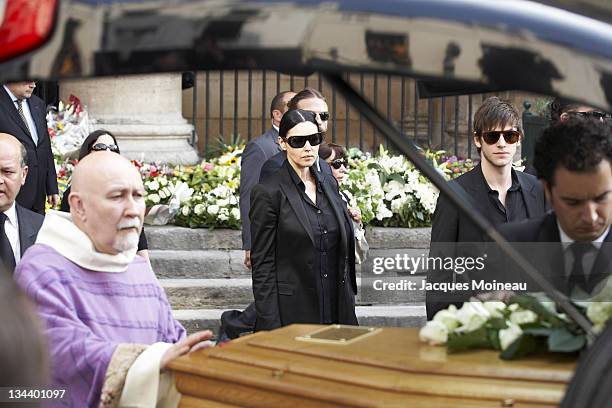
(313, 101)
(335, 156)
(97, 141)
(497, 191)
(562, 110)
(301, 252)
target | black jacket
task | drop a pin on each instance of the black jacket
(282, 252)
(41, 180)
(548, 258)
(450, 226)
(29, 224)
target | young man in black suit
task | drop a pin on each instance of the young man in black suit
(574, 160)
(18, 226)
(23, 116)
(497, 191)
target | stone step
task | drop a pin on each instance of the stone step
(222, 264)
(208, 293)
(170, 237)
(236, 293)
(199, 264)
(378, 316)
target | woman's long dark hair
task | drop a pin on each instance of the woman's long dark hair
(292, 117)
(91, 139)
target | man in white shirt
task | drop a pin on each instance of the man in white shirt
(574, 161)
(18, 226)
(23, 116)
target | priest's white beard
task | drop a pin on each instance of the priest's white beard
(127, 242)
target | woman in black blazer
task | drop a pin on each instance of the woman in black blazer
(302, 250)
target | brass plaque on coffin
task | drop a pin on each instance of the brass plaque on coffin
(339, 334)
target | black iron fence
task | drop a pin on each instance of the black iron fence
(228, 104)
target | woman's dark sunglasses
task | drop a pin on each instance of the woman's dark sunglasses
(510, 136)
(98, 147)
(336, 164)
(298, 142)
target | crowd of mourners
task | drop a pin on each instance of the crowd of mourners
(81, 306)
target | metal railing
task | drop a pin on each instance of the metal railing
(230, 103)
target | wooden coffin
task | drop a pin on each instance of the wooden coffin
(385, 367)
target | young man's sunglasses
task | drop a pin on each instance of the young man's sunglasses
(98, 147)
(592, 114)
(298, 142)
(323, 115)
(510, 136)
(336, 164)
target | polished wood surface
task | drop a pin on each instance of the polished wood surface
(389, 368)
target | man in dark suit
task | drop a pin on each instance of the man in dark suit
(23, 115)
(255, 154)
(18, 226)
(496, 190)
(574, 160)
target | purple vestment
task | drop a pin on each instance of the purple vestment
(87, 314)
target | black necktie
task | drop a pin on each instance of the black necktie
(577, 276)
(6, 250)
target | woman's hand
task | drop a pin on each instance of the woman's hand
(355, 214)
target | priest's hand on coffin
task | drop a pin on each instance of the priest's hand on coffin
(193, 342)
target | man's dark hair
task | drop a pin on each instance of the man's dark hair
(278, 103)
(326, 149)
(493, 113)
(306, 93)
(576, 144)
(559, 106)
(292, 117)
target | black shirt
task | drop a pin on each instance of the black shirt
(326, 234)
(515, 208)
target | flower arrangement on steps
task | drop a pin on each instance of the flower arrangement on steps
(387, 189)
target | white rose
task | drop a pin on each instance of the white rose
(523, 317)
(153, 185)
(222, 202)
(222, 217)
(198, 209)
(434, 333)
(509, 335)
(599, 312)
(163, 181)
(154, 198)
(162, 193)
(472, 316)
(495, 308)
(185, 211)
(213, 209)
(235, 213)
(447, 318)
(233, 200)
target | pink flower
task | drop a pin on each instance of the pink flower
(207, 166)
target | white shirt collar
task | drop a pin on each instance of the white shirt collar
(276, 128)
(11, 215)
(13, 97)
(567, 240)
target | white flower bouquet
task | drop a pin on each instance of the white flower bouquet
(526, 324)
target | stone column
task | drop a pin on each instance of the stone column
(144, 112)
